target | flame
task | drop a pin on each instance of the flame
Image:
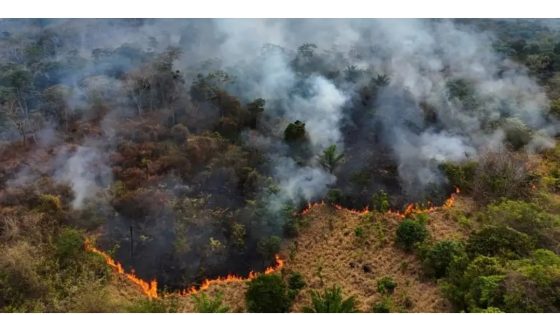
(409, 209)
(148, 288)
(233, 278)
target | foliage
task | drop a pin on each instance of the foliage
(502, 174)
(330, 159)
(69, 244)
(380, 201)
(460, 174)
(295, 131)
(499, 241)
(205, 304)
(411, 232)
(386, 285)
(269, 246)
(154, 306)
(437, 258)
(295, 284)
(331, 301)
(383, 306)
(267, 294)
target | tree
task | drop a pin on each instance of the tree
(410, 232)
(295, 131)
(499, 241)
(255, 109)
(438, 258)
(330, 158)
(380, 201)
(331, 301)
(269, 246)
(205, 304)
(267, 294)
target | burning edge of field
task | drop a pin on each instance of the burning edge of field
(149, 288)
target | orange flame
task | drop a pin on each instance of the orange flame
(148, 288)
(232, 278)
(409, 209)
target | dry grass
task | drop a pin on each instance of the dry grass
(328, 252)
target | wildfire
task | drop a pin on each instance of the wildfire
(150, 288)
(232, 278)
(409, 209)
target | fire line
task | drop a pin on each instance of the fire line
(149, 288)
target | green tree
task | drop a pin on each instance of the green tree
(331, 301)
(499, 241)
(205, 304)
(267, 294)
(437, 258)
(380, 201)
(295, 131)
(411, 232)
(330, 159)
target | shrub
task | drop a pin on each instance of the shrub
(460, 174)
(334, 196)
(204, 304)
(295, 284)
(267, 294)
(386, 285)
(269, 246)
(295, 131)
(411, 232)
(526, 218)
(517, 133)
(69, 244)
(154, 306)
(438, 258)
(499, 241)
(331, 301)
(502, 174)
(380, 201)
(383, 306)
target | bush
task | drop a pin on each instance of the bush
(517, 133)
(334, 196)
(380, 201)
(383, 306)
(154, 306)
(295, 284)
(526, 218)
(460, 175)
(295, 131)
(331, 301)
(69, 244)
(204, 304)
(386, 285)
(411, 232)
(437, 258)
(499, 241)
(267, 294)
(502, 174)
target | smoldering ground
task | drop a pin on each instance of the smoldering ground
(398, 97)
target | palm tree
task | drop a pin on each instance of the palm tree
(330, 159)
(331, 301)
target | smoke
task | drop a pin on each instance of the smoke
(398, 96)
(86, 171)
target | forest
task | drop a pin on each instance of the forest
(279, 165)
